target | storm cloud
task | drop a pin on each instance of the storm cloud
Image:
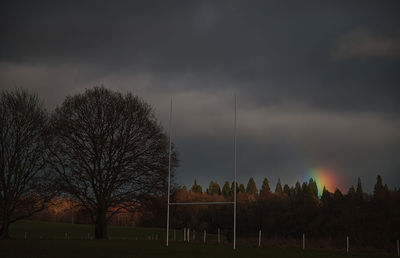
(317, 82)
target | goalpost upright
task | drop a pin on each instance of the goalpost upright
(202, 203)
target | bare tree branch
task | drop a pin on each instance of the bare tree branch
(25, 182)
(109, 151)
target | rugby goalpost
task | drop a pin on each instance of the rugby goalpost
(202, 203)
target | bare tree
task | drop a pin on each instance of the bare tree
(109, 151)
(25, 184)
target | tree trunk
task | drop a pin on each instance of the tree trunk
(101, 226)
(4, 230)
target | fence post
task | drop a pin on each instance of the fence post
(25, 235)
(184, 234)
(347, 244)
(194, 234)
(398, 248)
(304, 241)
(259, 238)
(219, 238)
(188, 235)
(204, 238)
(174, 235)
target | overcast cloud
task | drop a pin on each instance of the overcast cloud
(317, 82)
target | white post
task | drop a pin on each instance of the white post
(304, 241)
(219, 238)
(174, 235)
(188, 235)
(234, 188)
(259, 238)
(194, 234)
(204, 238)
(398, 248)
(169, 168)
(184, 234)
(347, 240)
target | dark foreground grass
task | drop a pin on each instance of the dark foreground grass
(52, 230)
(46, 239)
(142, 248)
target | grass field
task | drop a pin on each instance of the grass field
(45, 239)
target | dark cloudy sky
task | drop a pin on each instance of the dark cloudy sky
(317, 82)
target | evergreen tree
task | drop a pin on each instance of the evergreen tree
(265, 187)
(278, 188)
(352, 192)
(359, 191)
(378, 189)
(196, 188)
(251, 187)
(184, 187)
(326, 195)
(313, 188)
(213, 188)
(241, 189)
(338, 196)
(226, 190)
(385, 188)
(218, 189)
(304, 188)
(286, 189)
(232, 189)
(297, 188)
(292, 192)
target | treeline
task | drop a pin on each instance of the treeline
(370, 220)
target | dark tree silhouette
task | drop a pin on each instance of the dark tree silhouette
(378, 188)
(196, 188)
(278, 188)
(312, 187)
(226, 190)
(337, 195)
(110, 153)
(297, 188)
(251, 187)
(286, 189)
(359, 191)
(241, 188)
(351, 193)
(265, 189)
(25, 185)
(326, 195)
(214, 188)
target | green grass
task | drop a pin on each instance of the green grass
(45, 239)
(51, 230)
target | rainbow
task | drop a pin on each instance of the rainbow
(324, 177)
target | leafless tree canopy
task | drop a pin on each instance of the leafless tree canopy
(24, 180)
(109, 151)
